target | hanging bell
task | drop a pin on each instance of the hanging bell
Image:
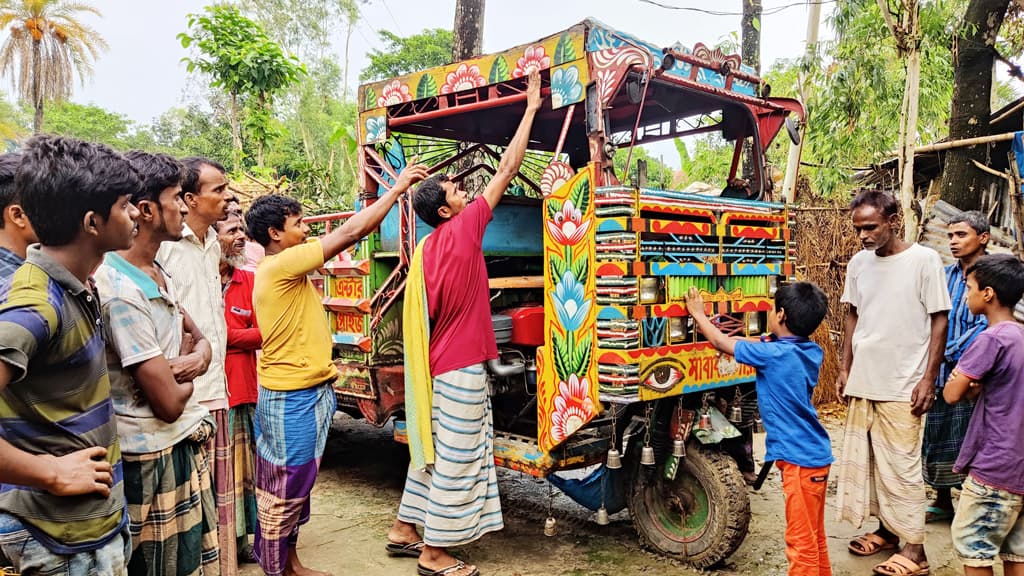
(647, 456)
(736, 414)
(758, 425)
(602, 516)
(549, 526)
(614, 460)
(704, 423)
(679, 448)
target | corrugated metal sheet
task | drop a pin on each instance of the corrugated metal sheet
(934, 237)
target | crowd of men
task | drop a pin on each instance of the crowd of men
(161, 403)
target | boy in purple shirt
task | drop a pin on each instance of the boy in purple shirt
(988, 520)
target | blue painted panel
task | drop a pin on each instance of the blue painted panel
(681, 269)
(755, 269)
(515, 230)
(610, 225)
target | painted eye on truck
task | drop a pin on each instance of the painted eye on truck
(663, 376)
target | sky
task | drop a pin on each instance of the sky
(141, 75)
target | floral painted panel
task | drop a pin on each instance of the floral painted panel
(567, 394)
(373, 126)
(567, 83)
(555, 51)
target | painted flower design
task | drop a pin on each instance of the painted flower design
(393, 93)
(571, 305)
(465, 77)
(533, 59)
(376, 129)
(568, 227)
(565, 87)
(573, 408)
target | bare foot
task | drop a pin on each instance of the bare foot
(402, 533)
(438, 559)
(295, 568)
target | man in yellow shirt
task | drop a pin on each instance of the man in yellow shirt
(296, 399)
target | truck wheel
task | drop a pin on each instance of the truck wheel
(701, 517)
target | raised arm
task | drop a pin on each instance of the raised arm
(367, 219)
(516, 151)
(717, 338)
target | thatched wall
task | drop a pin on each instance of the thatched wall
(825, 241)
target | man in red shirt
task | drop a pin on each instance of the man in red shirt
(456, 501)
(240, 369)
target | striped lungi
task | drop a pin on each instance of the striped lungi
(224, 491)
(879, 468)
(243, 439)
(291, 432)
(456, 500)
(944, 430)
(172, 512)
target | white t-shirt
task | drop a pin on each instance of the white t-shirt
(894, 296)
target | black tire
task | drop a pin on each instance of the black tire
(708, 490)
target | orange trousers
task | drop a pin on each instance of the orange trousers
(806, 547)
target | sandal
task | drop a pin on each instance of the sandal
(899, 565)
(423, 571)
(410, 550)
(869, 544)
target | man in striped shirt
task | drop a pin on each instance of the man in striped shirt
(946, 424)
(16, 232)
(62, 504)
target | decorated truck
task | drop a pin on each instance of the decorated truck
(599, 362)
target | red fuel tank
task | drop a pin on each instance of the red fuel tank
(527, 325)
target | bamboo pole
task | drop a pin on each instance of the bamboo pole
(963, 143)
(793, 162)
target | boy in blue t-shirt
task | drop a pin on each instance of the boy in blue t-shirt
(787, 364)
(988, 520)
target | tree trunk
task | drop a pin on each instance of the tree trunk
(37, 91)
(236, 133)
(908, 134)
(344, 76)
(261, 103)
(751, 55)
(469, 29)
(973, 60)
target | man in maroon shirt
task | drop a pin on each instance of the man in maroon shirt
(240, 370)
(456, 501)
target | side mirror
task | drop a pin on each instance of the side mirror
(793, 129)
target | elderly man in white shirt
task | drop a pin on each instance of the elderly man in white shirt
(194, 261)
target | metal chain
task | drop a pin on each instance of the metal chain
(650, 424)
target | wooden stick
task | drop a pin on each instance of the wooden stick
(516, 282)
(959, 143)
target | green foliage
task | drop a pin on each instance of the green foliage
(856, 94)
(658, 174)
(704, 159)
(90, 122)
(193, 131)
(432, 47)
(499, 71)
(240, 58)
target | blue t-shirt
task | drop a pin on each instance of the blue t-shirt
(787, 372)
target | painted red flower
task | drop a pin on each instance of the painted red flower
(533, 59)
(573, 408)
(568, 227)
(465, 77)
(393, 93)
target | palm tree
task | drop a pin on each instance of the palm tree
(46, 44)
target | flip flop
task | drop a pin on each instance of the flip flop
(900, 565)
(869, 544)
(410, 550)
(423, 571)
(936, 514)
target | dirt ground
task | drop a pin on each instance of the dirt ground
(361, 482)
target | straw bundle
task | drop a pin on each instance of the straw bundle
(824, 244)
